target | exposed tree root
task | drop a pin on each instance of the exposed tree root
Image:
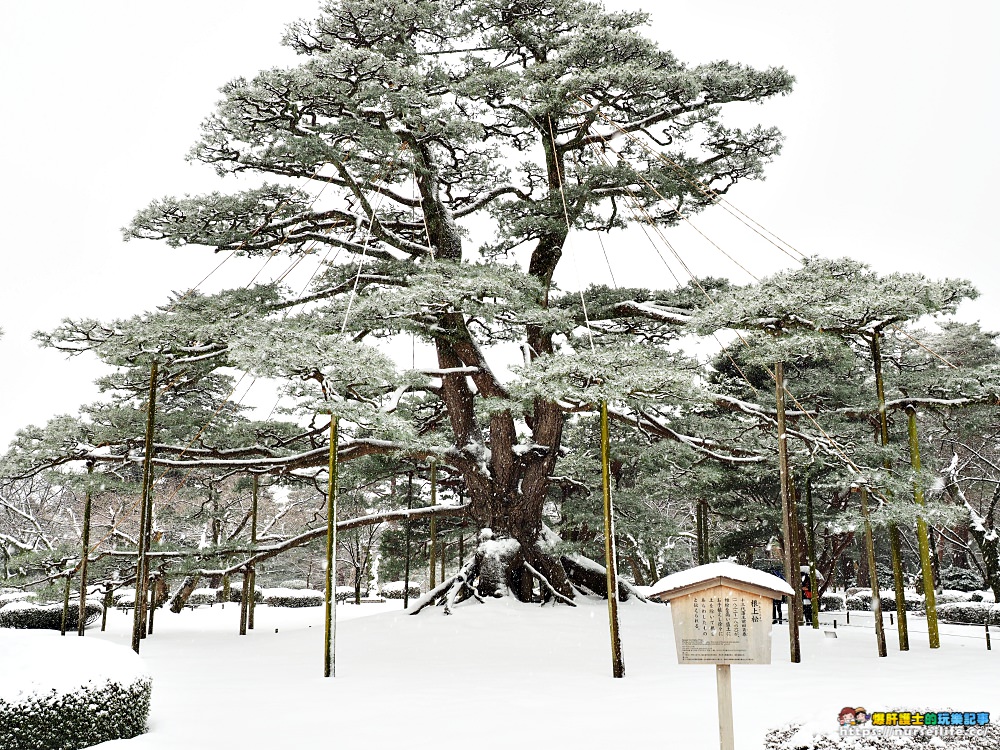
(545, 582)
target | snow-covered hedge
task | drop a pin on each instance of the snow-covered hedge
(862, 600)
(970, 613)
(204, 596)
(68, 693)
(27, 616)
(346, 593)
(294, 583)
(293, 598)
(236, 594)
(15, 596)
(949, 596)
(831, 602)
(793, 737)
(394, 590)
(123, 598)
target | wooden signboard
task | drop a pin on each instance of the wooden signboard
(722, 616)
(722, 625)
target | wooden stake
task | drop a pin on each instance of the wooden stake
(65, 610)
(330, 642)
(724, 687)
(894, 542)
(433, 542)
(923, 544)
(255, 491)
(789, 524)
(406, 568)
(81, 620)
(811, 552)
(873, 576)
(107, 606)
(147, 470)
(244, 602)
(610, 562)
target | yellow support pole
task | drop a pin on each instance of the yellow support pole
(617, 661)
(330, 641)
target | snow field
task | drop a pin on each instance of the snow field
(505, 674)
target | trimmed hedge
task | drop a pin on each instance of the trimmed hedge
(831, 602)
(984, 737)
(85, 717)
(236, 594)
(970, 613)
(27, 616)
(862, 601)
(394, 590)
(293, 598)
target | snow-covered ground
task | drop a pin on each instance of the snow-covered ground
(505, 674)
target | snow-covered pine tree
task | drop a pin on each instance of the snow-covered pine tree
(423, 119)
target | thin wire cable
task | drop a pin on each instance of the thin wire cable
(562, 196)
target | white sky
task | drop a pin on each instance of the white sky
(889, 153)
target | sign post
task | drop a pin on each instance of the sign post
(722, 615)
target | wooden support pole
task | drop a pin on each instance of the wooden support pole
(724, 687)
(923, 544)
(252, 585)
(245, 597)
(433, 542)
(107, 606)
(330, 641)
(894, 541)
(789, 521)
(81, 620)
(147, 470)
(152, 600)
(873, 576)
(65, 609)
(811, 551)
(610, 561)
(406, 533)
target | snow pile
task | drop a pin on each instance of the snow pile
(15, 596)
(732, 571)
(38, 662)
(71, 692)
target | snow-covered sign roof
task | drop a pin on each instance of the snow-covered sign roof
(718, 574)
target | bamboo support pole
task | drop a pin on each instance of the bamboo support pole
(894, 541)
(610, 562)
(923, 544)
(433, 541)
(65, 609)
(330, 641)
(81, 620)
(873, 576)
(789, 522)
(254, 505)
(147, 470)
(406, 568)
(811, 551)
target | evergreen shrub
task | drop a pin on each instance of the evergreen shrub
(394, 590)
(951, 596)
(236, 594)
(294, 598)
(984, 737)
(87, 716)
(27, 616)
(204, 596)
(831, 602)
(970, 613)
